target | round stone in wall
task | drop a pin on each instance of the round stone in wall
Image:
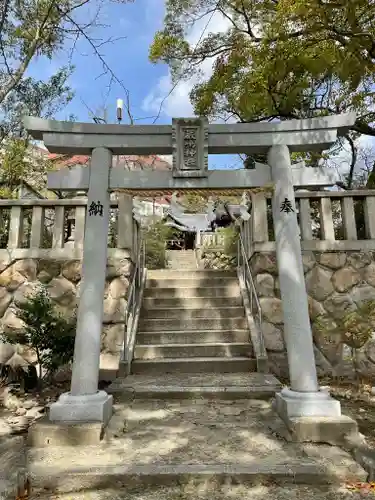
(5, 299)
(361, 294)
(333, 260)
(369, 274)
(370, 348)
(308, 261)
(264, 284)
(25, 292)
(360, 259)
(11, 279)
(345, 278)
(263, 263)
(27, 267)
(338, 304)
(72, 270)
(62, 291)
(48, 269)
(273, 337)
(315, 308)
(318, 283)
(272, 309)
(6, 352)
(12, 325)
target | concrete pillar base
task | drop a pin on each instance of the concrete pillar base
(313, 417)
(82, 408)
(290, 404)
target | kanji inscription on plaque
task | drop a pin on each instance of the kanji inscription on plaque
(190, 147)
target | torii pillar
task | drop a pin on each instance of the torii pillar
(84, 402)
(304, 398)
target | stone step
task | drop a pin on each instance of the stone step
(201, 274)
(183, 282)
(191, 302)
(188, 292)
(193, 336)
(183, 260)
(193, 365)
(214, 323)
(162, 351)
(185, 314)
(221, 386)
(182, 267)
(65, 480)
(205, 488)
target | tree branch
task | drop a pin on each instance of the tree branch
(18, 74)
(353, 160)
(107, 68)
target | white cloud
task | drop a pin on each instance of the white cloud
(175, 102)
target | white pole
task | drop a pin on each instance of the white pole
(297, 329)
(85, 402)
(304, 398)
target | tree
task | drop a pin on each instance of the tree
(278, 59)
(35, 28)
(47, 333)
(155, 236)
(35, 98)
(194, 203)
(18, 165)
(30, 28)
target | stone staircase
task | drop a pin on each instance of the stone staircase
(192, 417)
(181, 260)
(192, 322)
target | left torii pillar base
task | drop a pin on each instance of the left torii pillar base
(44, 433)
(82, 408)
(73, 421)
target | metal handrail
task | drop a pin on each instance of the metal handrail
(134, 303)
(247, 278)
(197, 258)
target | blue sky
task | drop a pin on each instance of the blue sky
(148, 84)
(132, 27)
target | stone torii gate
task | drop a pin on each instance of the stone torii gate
(190, 140)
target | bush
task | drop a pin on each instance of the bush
(353, 329)
(50, 335)
(230, 240)
(155, 237)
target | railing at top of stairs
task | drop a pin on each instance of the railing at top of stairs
(252, 306)
(134, 305)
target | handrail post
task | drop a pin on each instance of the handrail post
(134, 302)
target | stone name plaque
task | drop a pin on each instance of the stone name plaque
(190, 147)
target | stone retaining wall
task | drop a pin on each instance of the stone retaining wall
(21, 277)
(336, 282)
(217, 259)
